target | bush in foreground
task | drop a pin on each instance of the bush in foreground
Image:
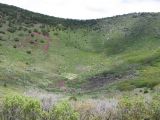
(64, 111)
(132, 109)
(18, 107)
(139, 108)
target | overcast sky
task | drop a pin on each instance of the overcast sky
(86, 9)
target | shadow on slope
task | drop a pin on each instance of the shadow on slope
(129, 36)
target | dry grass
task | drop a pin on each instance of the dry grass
(47, 99)
(96, 108)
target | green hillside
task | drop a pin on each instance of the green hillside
(55, 54)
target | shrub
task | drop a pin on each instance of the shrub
(1, 38)
(28, 52)
(56, 33)
(2, 32)
(20, 28)
(132, 109)
(139, 108)
(42, 26)
(32, 109)
(35, 30)
(16, 39)
(42, 41)
(44, 32)
(12, 107)
(125, 86)
(25, 29)
(64, 111)
(73, 98)
(32, 35)
(5, 84)
(16, 107)
(155, 107)
(14, 46)
(29, 31)
(11, 29)
(21, 34)
(31, 42)
(146, 91)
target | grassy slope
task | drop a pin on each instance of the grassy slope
(112, 46)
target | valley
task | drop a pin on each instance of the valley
(105, 58)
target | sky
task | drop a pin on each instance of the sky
(86, 9)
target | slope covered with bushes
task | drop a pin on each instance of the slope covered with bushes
(75, 56)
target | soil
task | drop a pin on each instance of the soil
(107, 78)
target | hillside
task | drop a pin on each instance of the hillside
(55, 54)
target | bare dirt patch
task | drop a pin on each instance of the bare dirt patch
(100, 80)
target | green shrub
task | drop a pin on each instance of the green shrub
(11, 29)
(16, 39)
(35, 30)
(20, 28)
(2, 32)
(32, 35)
(29, 31)
(13, 107)
(14, 46)
(125, 86)
(146, 91)
(32, 109)
(44, 32)
(63, 111)
(73, 98)
(42, 41)
(139, 108)
(56, 33)
(132, 108)
(28, 52)
(155, 107)
(25, 29)
(0, 37)
(21, 34)
(16, 107)
(5, 84)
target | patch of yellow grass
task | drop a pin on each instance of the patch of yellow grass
(70, 76)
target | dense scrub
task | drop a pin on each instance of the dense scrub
(24, 108)
(17, 107)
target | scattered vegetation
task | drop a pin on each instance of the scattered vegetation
(93, 52)
(76, 57)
